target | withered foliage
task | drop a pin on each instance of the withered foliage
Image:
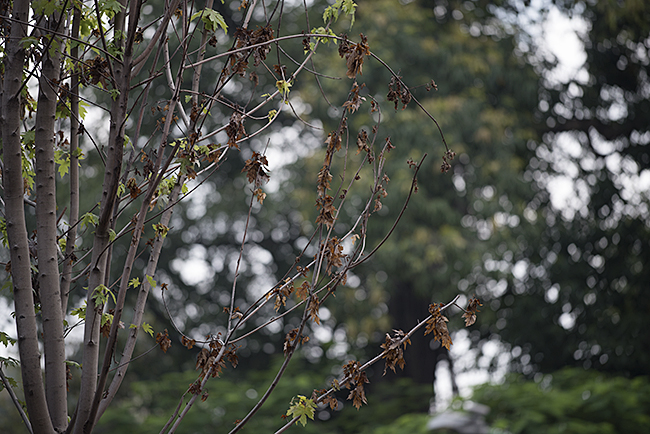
(327, 211)
(132, 186)
(313, 308)
(398, 93)
(281, 293)
(362, 142)
(355, 380)
(471, 310)
(260, 35)
(334, 254)
(238, 62)
(289, 340)
(209, 358)
(381, 193)
(323, 180)
(235, 129)
(95, 71)
(303, 290)
(449, 155)
(394, 347)
(255, 168)
(187, 342)
(327, 399)
(438, 325)
(162, 339)
(354, 55)
(333, 143)
(355, 100)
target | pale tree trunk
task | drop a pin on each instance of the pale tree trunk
(48, 267)
(30, 356)
(71, 238)
(115, 149)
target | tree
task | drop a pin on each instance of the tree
(179, 96)
(580, 279)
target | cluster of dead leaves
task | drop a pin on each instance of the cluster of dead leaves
(394, 347)
(95, 71)
(326, 398)
(381, 193)
(470, 311)
(355, 379)
(354, 55)
(256, 172)
(207, 358)
(334, 254)
(256, 169)
(397, 92)
(238, 62)
(235, 129)
(449, 155)
(327, 210)
(438, 322)
(323, 180)
(355, 100)
(281, 293)
(291, 340)
(162, 339)
(438, 325)
(313, 308)
(260, 35)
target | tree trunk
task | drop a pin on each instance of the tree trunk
(30, 356)
(48, 267)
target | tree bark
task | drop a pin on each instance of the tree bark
(115, 151)
(48, 267)
(30, 357)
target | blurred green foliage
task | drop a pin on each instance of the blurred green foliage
(571, 400)
(145, 406)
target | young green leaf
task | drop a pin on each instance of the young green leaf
(151, 281)
(303, 408)
(147, 328)
(212, 20)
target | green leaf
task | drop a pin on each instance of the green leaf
(44, 7)
(89, 219)
(134, 283)
(3, 232)
(121, 189)
(6, 340)
(160, 229)
(101, 294)
(332, 12)
(73, 364)
(303, 408)
(111, 235)
(79, 312)
(151, 281)
(111, 7)
(28, 41)
(147, 328)
(283, 86)
(106, 318)
(62, 158)
(212, 20)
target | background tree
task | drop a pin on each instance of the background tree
(171, 96)
(581, 280)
